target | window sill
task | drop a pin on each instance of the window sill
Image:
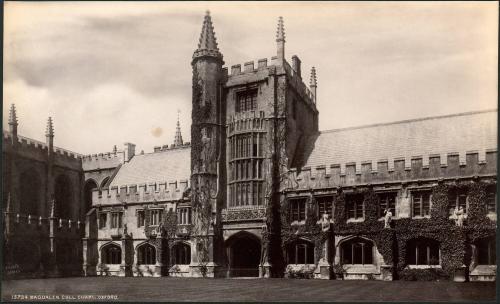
(424, 266)
(484, 270)
(360, 268)
(355, 220)
(298, 223)
(421, 217)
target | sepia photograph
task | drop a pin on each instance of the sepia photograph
(249, 151)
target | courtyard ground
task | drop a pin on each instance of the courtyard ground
(191, 289)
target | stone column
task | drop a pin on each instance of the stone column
(161, 255)
(127, 256)
(324, 269)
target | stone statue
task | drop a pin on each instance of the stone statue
(325, 223)
(459, 216)
(387, 218)
(265, 244)
(124, 229)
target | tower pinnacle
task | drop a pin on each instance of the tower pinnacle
(280, 40)
(178, 136)
(313, 84)
(13, 115)
(280, 34)
(49, 132)
(207, 45)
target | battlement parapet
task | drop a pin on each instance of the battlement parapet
(138, 193)
(247, 121)
(432, 166)
(249, 67)
(29, 145)
(171, 147)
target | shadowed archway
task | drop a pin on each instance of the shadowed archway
(243, 250)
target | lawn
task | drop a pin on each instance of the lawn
(191, 289)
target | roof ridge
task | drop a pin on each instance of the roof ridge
(407, 121)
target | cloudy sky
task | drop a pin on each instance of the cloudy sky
(110, 73)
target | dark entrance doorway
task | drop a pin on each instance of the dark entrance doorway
(244, 256)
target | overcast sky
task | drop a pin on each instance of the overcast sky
(110, 73)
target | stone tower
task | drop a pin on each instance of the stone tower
(207, 159)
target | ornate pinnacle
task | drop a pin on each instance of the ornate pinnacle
(280, 34)
(114, 149)
(178, 136)
(13, 115)
(207, 44)
(49, 132)
(313, 82)
(53, 208)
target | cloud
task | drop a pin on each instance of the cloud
(110, 74)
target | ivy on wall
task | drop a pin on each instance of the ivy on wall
(391, 242)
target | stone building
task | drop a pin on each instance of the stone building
(42, 205)
(267, 194)
(260, 191)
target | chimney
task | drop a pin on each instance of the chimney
(129, 151)
(296, 65)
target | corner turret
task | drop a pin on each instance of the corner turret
(13, 123)
(313, 84)
(280, 40)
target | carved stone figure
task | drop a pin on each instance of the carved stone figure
(387, 218)
(325, 222)
(459, 215)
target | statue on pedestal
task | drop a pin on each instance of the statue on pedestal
(325, 222)
(387, 218)
(459, 216)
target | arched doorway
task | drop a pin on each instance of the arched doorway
(244, 255)
(30, 187)
(89, 186)
(63, 197)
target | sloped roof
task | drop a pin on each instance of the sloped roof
(472, 131)
(162, 166)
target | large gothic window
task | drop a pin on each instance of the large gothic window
(357, 251)
(90, 185)
(246, 100)
(245, 171)
(181, 254)
(146, 255)
(421, 203)
(422, 251)
(64, 197)
(298, 210)
(354, 206)
(300, 252)
(111, 254)
(30, 192)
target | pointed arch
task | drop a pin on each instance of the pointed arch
(146, 254)
(111, 253)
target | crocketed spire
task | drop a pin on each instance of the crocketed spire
(13, 115)
(313, 81)
(207, 46)
(49, 132)
(280, 34)
(178, 136)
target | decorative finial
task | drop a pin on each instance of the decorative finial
(178, 136)
(114, 149)
(53, 208)
(313, 82)
(12, 115)
(280, 35)
(49, 132)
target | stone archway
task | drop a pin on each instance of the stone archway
(243, 251)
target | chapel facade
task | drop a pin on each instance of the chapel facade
(260, 191)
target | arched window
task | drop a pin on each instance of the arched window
(63, 197)
(146, 255)
(111, 254)
(357, 251)
(87, 193)
(300, 252)
(486, 251)
(181, 254)
(30, 188)
(422, 251)
(104, 182)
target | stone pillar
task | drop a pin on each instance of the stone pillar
(161, 269)
(324, 269)
(127, 256)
